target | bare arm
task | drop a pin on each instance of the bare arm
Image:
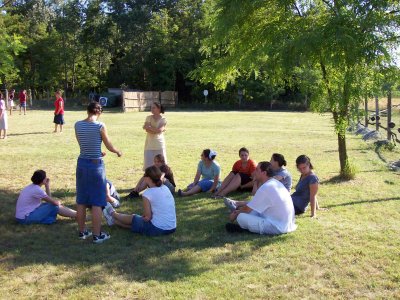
(196, 177)
(215, 183)
(146, 210)
(241, 209)
(107, 142)
(313, 199)
(48, 192)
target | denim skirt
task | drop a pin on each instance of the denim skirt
(91, 182)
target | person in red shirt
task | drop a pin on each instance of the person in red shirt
(22, 101)
(240, 176)
(59, 111)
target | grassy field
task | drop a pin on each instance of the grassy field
(350, 251)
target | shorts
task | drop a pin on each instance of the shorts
(244, 178)
(59, 119)
(149, 157)
(91, 182)
(46, 213)
(147, 228)
(22, 104)
(206, 184)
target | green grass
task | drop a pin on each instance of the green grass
(350, 251)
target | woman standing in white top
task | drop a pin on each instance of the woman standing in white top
(154, 126)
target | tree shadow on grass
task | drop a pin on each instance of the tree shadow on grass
(363, 202)
(201, 227)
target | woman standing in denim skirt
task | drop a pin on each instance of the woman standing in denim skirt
(90, 172)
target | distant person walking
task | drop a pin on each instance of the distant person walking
(22, 101)
(3, 118)
(11, 104)
(59, 112)
(90, 172)
(154, 126)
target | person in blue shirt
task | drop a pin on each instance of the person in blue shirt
(209, 171)
(306, 188)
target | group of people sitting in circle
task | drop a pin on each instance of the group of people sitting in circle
(271, 210)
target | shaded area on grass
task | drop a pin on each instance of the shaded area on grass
(138, 258)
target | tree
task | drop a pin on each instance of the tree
(339, 40)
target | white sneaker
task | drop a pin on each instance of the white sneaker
(107, 212)
(115, 204)
(230, 204)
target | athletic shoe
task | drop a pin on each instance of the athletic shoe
(98, 239)
(83, 235)
(233, 228)
(107, 212)
(115, 204)
(133, 195)
(230, 204)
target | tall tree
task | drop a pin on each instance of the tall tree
(338, 39)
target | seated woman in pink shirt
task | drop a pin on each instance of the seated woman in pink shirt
(30, 208)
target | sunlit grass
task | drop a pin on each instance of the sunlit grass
(351, 251)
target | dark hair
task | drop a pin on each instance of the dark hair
(38, 176)
(304, 159)
(244, 149)
(266, 166)
(279, 158)
(160, 157)
(59, 92)
(206, 153)
(94, 108)
(154, 174)
(160, 107)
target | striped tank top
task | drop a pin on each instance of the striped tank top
(89, 138)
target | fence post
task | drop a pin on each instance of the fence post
(389, 114)
(366, 112)
(377, 113)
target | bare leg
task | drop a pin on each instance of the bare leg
(194, 190)
(123, 218)
(55, 128)
(24, 110)
(81, 217)
(61, 127)
(96, 219)
(66, 212)
(232, 185)
(141, 185)
(120, 224)
(224, 184)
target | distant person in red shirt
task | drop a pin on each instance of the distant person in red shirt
(22, 101)
(59, 111)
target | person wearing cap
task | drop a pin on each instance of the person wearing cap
(209, 171)
(270, 211)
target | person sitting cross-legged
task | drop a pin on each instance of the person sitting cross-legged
(159, 216)
(31, 210)
(270, 211)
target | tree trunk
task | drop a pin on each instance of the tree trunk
(342, 152)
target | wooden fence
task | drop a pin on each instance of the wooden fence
(141, 101)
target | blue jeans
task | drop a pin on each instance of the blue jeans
(147, 228)
(46, 213)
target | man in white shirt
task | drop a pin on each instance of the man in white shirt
(270, 211)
